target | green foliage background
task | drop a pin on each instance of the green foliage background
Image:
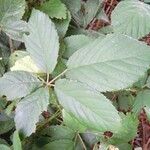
(66, 85)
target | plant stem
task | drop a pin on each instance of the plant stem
(53, 116)
(11, 45)
(84, 147)
(41, 79)
(47, 80)
(75, 138)
(57, 77)
(57, 113)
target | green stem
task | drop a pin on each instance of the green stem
(84, 147)
(57, 77)
(47, 80)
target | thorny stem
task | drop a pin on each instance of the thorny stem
(50, 83)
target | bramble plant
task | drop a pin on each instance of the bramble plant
(74, 75)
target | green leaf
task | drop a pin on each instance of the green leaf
(62, 25)
(11, 11)
(38, 143)
(4, 147)
(110, 64)
(4, 46)
(101, 15)
(60, 144)
(60, 67)
(73, 6)
(21, 60)
(87, 32)
(43, 42)
(10, 107)
(75, 42)
(25, 64)
(141, 101)
(90, 139)
(3, 103)
(147, 1)
(89, 107)
(16, 141)
(131, 18)
(55, 9)
(2, 141)
(125, 146)
(59, 132)
(15, 29)
(148, 82)
(73, 123)
(17, 84)
(16, 56)
(125, 101)
(83, 12)
(106, 30)
(29, 109)
(6, 123)
(141, 82)
(88, 11)
(127, 131)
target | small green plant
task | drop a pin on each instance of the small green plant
(66, 84)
